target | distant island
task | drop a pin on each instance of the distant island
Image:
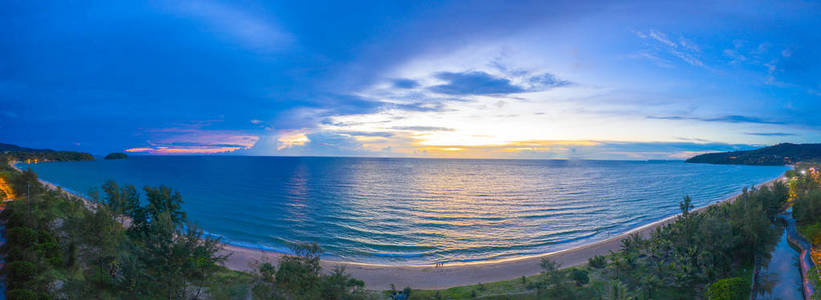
(781, 154)
(18, 153)
(116, 155)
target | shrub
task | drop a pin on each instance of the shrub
(597, 262)
(22, 237)
(51, 252)
(580, 277)
(729, 289)
(811, 232)
(807, 208)
(21, 294)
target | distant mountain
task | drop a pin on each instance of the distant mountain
(781, 154)
(15, 148)
(18, 153)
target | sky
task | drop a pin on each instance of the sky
(462, 79)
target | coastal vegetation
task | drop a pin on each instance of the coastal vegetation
(702, 254)
(62, 247)
(805, 196)
(116, 155)
(121, 245)
(781, 154)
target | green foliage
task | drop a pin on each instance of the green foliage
(597, 261)
(807, 207)
(812, 232)
(164, 200)
(338, 286)
(159, 256)
(554, 285)
(298, 277)
(735, 288)
(121, 200)
(26, 184)
(20, 272)
(580, 276)
(50, 251)
(22, 237)
(21, 294)
(686, 205)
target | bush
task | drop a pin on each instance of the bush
(735, 288)
(580, 277)
(807, 208)
(597, 262)
(22, 237)
(51, 252)
(21, 294)
(811, 232)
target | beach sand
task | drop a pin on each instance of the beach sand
(380, 277)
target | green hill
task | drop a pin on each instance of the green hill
(116, 155)
(781, 154)
(15, 148)
(18, 153)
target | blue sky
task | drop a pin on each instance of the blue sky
(637, 80)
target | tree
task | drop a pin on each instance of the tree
(123, 200)
(299, 273)
(165, 200)
(299, 277)
(735, 288)
(101, 236)
(25, 185)
(554, 280)
(580, 277)
(339, 286)
(686, 205)
(597, 262)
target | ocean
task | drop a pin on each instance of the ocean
(405, 211)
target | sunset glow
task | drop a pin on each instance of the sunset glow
(508, 81)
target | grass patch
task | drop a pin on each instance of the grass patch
(812, 232)
(230, 284)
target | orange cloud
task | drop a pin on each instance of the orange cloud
(292, 138)
(185, 150)
(501, 150)
(192, 139)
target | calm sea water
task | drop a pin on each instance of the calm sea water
(417, 211)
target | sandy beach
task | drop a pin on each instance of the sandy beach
(380, 277)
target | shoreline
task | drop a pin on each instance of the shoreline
(430, 277)
(88, 203)
(382, 276)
